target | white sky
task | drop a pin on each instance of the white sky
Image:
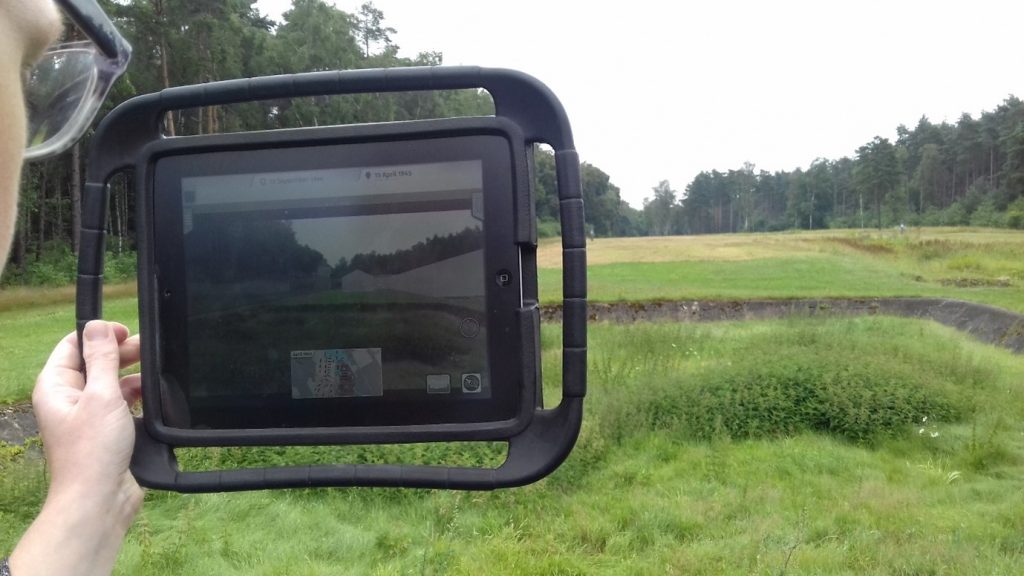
(662, 90)
(383, 234)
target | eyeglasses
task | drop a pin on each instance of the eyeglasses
(66, 87)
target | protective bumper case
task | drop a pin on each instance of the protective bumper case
(534, 451)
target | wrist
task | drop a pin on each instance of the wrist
(116, 503)
(78, 531)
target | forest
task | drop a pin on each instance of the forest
(947, 174)
(182, 42)
(970, 173)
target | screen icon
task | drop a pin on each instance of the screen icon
(439, 384)
(469, 327)
(471, 384)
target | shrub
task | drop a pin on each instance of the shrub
(860, 380)
(856, 399)
(987, 215)
(548, 229)
(955, 215)
(57, 267)
(120, 267)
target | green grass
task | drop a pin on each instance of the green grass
(806, 446)
(974, 265)
(27, 336)
(654, 488)
(777, 278)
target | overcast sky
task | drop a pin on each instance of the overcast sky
(345, 237)
(660, 90)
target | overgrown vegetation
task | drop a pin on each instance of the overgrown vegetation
(837, 378)
(58, 267)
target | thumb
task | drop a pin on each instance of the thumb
(102, 359)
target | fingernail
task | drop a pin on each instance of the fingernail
(97, 330)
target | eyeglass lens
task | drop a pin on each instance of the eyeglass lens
(57, 87)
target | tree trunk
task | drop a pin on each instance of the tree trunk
(992, 166)
(58, 232)
(115, 199)
(810, 215)
(20, 237)
(158, 7)
(76, 195)
(42, 215)
(878, 210)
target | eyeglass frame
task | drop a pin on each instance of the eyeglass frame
(98, 28)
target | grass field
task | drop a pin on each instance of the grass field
(969, 264)
(806, 446)
(678, 470)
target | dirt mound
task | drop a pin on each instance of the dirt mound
(1001, 282)
(986, 323)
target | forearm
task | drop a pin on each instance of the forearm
(77, 533)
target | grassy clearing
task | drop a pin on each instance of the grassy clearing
(978, 265)
(28, 335)
(22, 297)
(811, 446)
(678, 471)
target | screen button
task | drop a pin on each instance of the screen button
(439, 384)
(469, 327)
(471, 384)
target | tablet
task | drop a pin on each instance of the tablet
(349, 284)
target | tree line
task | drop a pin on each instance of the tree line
(948, 174)
(181, 42)
(970, 172)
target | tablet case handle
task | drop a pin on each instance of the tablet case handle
(532, 454)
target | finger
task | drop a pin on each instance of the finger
(129, 351)
(62, 369)
(131, 389)
(121, 331)
(102, 358)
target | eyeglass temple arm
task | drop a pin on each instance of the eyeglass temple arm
(88, 15)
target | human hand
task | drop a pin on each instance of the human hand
(88, 436)
(87, 430)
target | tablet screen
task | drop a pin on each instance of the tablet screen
(329, 296)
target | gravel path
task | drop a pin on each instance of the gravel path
(986, 323)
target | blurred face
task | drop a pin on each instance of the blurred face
(27, 28)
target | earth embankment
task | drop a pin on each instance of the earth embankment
(986, 323)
